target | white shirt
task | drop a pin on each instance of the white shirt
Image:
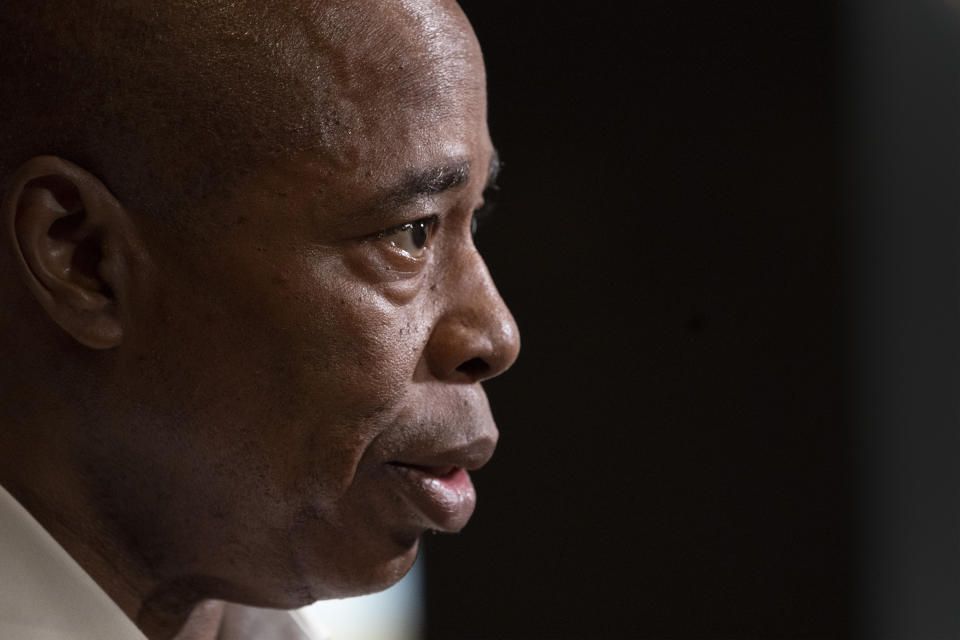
(46, 595)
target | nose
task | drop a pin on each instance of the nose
(475, 337)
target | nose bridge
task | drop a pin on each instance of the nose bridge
(476, 336)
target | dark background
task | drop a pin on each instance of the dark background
(699, 218)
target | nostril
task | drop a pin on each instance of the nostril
(475, 368)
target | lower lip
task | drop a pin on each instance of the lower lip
(446, 501)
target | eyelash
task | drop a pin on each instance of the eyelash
(431, 222)
(478, 216)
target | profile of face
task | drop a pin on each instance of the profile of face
(289, 385)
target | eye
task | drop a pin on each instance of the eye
(412, 237)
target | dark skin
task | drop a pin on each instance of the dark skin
(217, 409)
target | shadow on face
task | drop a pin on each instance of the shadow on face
(269, 394)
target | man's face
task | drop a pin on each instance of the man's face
(300, 387)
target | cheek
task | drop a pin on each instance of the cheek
(281, 377)
(349, 357)
(325, 363)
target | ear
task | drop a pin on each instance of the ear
(70, 237)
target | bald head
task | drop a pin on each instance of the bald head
(271, 399)
(170, 102)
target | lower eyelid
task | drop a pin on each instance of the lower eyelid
(377, 262)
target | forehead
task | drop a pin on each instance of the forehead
(404, 82)
(380, 56)
(401, 84)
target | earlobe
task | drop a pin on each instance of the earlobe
(67, 231)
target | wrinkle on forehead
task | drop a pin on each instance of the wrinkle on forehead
(444, 29)
(218, 88)
(402, 54)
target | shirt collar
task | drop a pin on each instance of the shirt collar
(44, 593)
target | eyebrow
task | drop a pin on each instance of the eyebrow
(433, 181)
(439, 179)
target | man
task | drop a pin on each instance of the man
(244, 325)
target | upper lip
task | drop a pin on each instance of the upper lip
(470, 456)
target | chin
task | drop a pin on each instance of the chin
(368, 573)
(364, 574)
(379, 576)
